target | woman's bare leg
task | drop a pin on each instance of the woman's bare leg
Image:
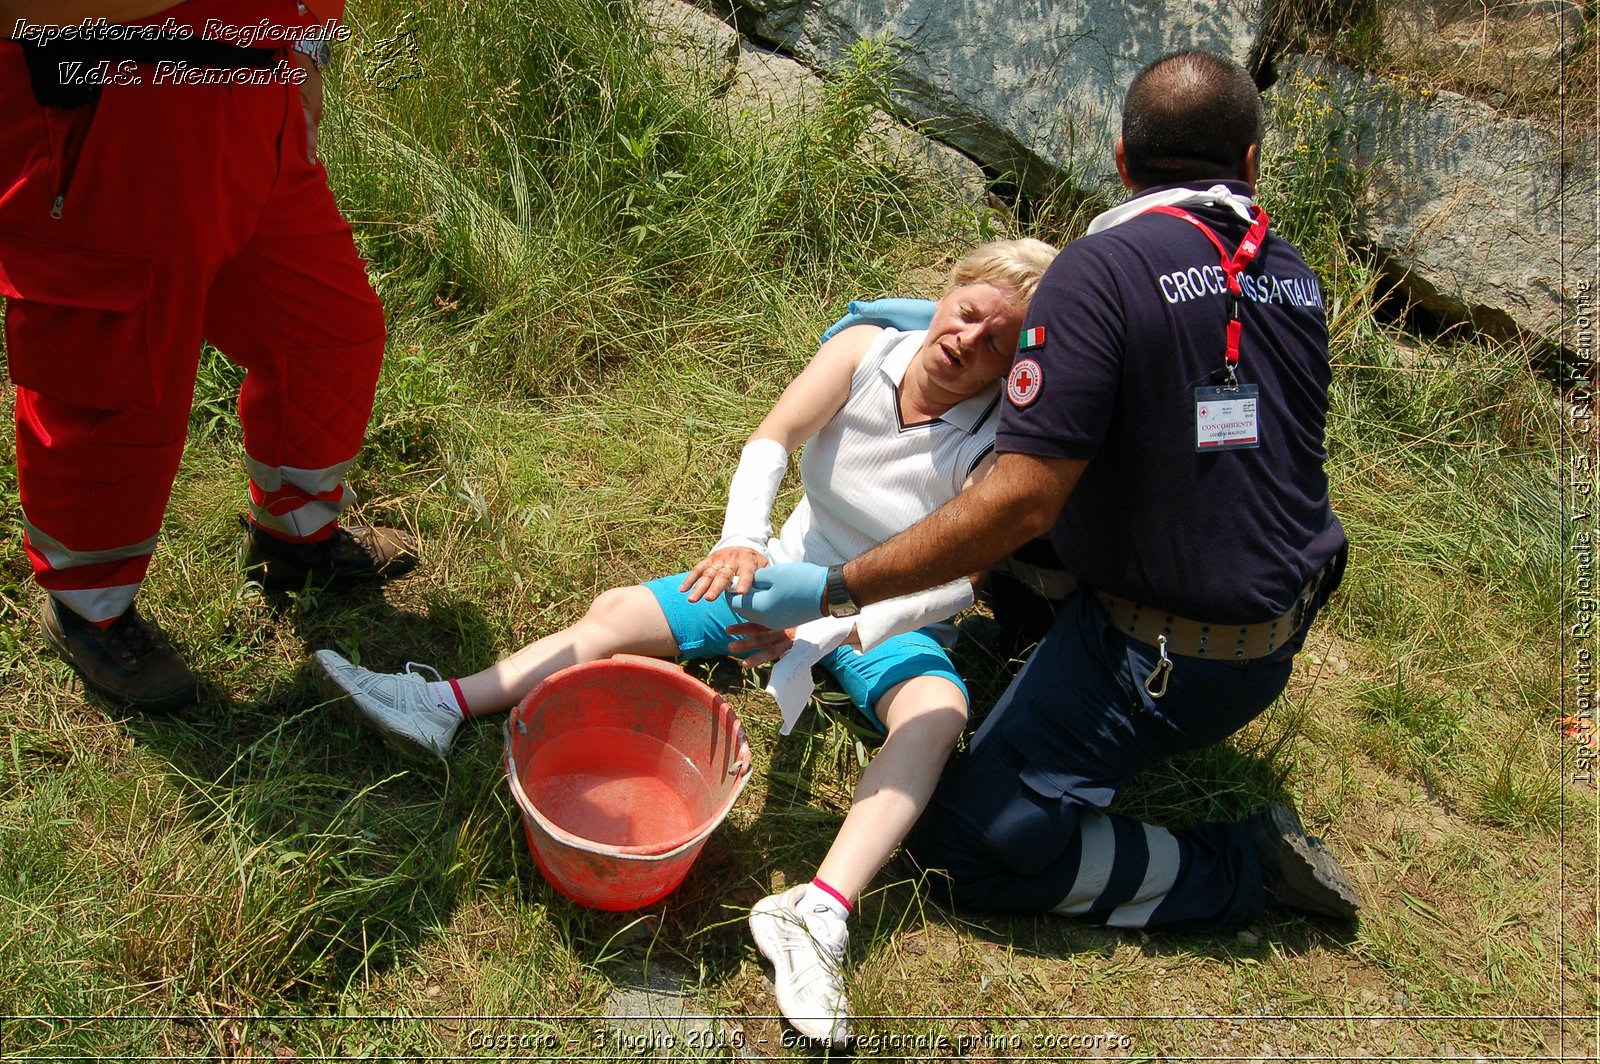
(623, 620)
(924, 716)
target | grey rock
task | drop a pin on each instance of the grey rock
(1479, 216)
(694, 41)
(913, 153)
(1032, 88)
(760, 87)
(772, 87)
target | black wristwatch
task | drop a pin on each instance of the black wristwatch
(836, 596)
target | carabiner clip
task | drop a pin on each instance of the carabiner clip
(1155, 685)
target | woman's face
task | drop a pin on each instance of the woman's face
(973, 338)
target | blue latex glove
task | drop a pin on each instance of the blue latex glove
(783, 596)
(907, 315)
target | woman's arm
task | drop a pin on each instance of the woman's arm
(819, 392)
(805, 406)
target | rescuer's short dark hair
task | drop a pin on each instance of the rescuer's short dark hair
(1189, 116)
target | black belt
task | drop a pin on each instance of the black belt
(76, 86)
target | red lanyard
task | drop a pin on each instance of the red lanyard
(1232, 265)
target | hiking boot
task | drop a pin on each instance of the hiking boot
(395, 704)
(129, 661)
(1298, 870)
(807, 952)
(350, 555)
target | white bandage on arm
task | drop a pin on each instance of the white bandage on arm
(880, 620)
(748, 519)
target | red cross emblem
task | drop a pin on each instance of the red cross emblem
(1025, 382)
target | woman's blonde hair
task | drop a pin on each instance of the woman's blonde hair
(1013, 264)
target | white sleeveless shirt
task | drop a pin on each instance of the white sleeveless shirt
(867, 476)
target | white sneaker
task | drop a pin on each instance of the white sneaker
(807, 954)
(396, 703)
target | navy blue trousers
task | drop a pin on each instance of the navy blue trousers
(1019, 821)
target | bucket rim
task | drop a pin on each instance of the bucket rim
(671, 672)
(649, 852)
(624, 662)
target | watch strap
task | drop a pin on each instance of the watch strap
(836, 596)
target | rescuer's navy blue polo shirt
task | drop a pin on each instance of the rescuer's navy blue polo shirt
(1134, 320)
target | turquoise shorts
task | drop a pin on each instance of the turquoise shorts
(701, 631)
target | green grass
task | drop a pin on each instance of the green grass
(1519, 60)
(597, 280)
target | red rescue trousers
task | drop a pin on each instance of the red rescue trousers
(130, 230)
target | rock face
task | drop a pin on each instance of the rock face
(700, 45)
(1030, 88)
(1479, 216)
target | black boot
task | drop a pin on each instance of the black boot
(350, 555)
(129, 661)
(1299, 871)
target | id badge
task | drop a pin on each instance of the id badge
(1225, 418)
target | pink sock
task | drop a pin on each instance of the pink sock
(821, 897)
(448, 694)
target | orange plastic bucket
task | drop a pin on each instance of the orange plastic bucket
(621, 769)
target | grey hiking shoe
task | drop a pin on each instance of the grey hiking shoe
(807, 951)
(1298, 870)
(395, 704)
(350, 555)
(129, 661)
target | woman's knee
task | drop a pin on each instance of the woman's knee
(625, 619)
(615, 606)
(930, 706)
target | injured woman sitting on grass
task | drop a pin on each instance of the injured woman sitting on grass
(894, 425)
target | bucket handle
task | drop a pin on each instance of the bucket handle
(743, 766)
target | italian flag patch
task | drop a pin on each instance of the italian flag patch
(1031, 339)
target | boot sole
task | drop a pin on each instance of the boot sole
(1314, 877)
(276, 574)
(282, 576)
